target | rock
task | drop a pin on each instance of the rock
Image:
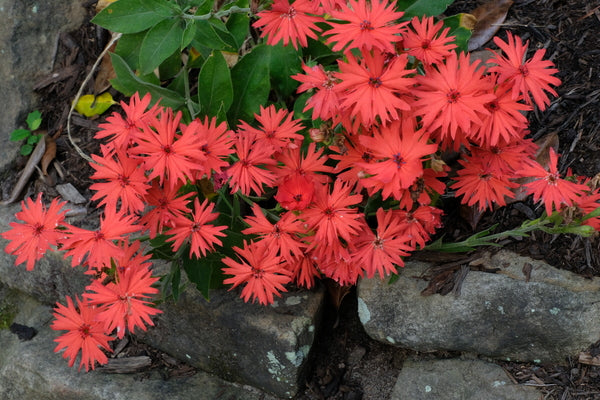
(544, 317)
(30, 370)
(266, 347)
(457, 379)
(52, 278)
(28, 37)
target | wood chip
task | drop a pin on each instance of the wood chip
(69, 193)
(126, 365)
(586, 358)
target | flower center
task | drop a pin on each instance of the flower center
(453, 96)
(397, 158)
(375, 82)
(167, 149)
(84, 331)
(492, 106)
(426, 44)
(366, 25)
(290, 14)
(523, 70)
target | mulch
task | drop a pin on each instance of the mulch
(344, 358)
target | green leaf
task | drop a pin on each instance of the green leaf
(130, 16)
(239, 26)
(128, 83)
(128, 48)
(460, 26)
(170, 67)
(160, 42)
(251, 84)
(26, 149)
(33, 139)
(300, 105)
(215, 89)
(205, 272)
(206, 36)
(34, 120)
(222, 31)
(285, 62)
(188, 34)
(420, 8)
(19, 134)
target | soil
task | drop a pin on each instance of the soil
(346, 363)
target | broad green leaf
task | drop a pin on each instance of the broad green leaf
(420, 8)
(188, 34)
(128, 83)
(206, 36)
(26, 149)
(170, 67)
(461, 26)
(34, 120)
(239, 26)
(215, 90)
(222, 31)
(300, 105)
(33, 139)
(285, 62)
(160, 42)
(251, 84)
(19, 134)
(128, 48)
(130, 16)
(90, 105)
(205, 272)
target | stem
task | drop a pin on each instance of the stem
(218, 14)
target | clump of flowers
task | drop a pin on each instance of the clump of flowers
(275, 202)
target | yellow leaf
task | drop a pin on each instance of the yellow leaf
(90, 106)
(101, 5)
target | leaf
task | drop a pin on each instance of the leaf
(251, 86)
(160, 42)
(206, 36)
(128, 83)
(239, 26)
(130, 16)
(188, 34)
(215, 89)
(19, 134)
(420, 8)
(90, 105)
(102, 4)
(49, 154)
(285, 62)
(490, 16)
(205, 272)
(26, 149)
(128, 48)
(461, 26)
(34, 120)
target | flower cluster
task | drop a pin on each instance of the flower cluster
(279, 203)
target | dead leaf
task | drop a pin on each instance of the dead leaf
(106, 72)
(586, 358)
(336, 292)
(472, 214)
(90, 105)
(102, 4)
(489, 16)
(33, 161)
(49, 154)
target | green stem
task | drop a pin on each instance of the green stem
(218, 14)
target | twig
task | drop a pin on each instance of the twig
(113, 39)
(33, 161)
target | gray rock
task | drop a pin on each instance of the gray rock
(30, 370)
(51, 280)
(457, 379)
(266, 347)
(28, 37)
(551, 315)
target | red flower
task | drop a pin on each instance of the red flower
(123, 303)
(276, 130)
(311, 164)
(201, 234)
(290, 23)
(304, 271)
(549, 186)
(124, 130)
(99, 245)
(260, 269)
(248, 174)
(370, 89)
(529, 78)
(166, 205)
(380, 252)
(399, 152)
(324, 100)
(452, 96)
(282, 235)
(39, 231)
(481, 184)
(215, 142)
(420, 224)
(426, 43)
(167, 155)
(85, 333)
(295, 192)
(126, 181)
(364, 25)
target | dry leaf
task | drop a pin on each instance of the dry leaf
(102, 4)
(49, 154)
(489, 16)
(106, 72)
(472, 214)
